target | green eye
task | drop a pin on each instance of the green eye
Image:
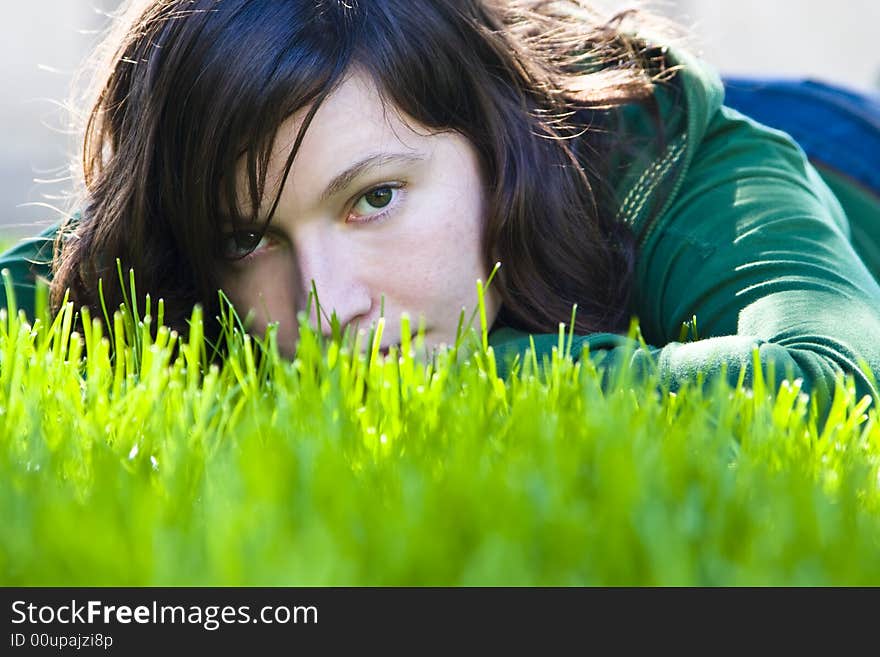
(379, 197)
(376, 204)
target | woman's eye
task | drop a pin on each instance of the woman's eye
(371, 205)
(242, 243)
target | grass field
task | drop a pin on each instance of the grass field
(125, 463)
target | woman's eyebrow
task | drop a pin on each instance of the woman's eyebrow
(376, 160)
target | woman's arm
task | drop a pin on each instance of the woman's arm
(756, 247)
(29, 259)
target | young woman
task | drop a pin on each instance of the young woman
(397, 149)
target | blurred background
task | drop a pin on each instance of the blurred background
(42, 44)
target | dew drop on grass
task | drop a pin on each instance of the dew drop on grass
(154, 463)
(133, 452)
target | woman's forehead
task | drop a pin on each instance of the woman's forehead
(353, 114)
(353, 123)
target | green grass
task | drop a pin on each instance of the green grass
(125, 463)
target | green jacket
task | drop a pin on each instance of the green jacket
(735, 227)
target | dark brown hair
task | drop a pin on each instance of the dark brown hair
(194, 86)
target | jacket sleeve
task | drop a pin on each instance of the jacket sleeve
(27, 261)
(755, 246)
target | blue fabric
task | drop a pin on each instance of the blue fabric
(835, 126)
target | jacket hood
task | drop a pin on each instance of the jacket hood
(687, 102)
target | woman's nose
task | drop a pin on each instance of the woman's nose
(332, 275)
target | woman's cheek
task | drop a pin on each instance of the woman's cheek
(263, 286)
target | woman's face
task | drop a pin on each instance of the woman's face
(372, 206)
